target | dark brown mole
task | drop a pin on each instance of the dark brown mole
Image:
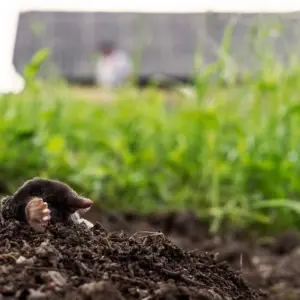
(62, 200)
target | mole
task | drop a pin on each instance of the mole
(39, 202)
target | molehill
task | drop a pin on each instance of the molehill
(72, 262)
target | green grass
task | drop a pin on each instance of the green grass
(228, 153)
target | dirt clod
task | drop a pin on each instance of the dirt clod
(76, 263)
(99, 290)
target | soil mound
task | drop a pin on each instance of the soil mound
(270, 262)
(77, 263)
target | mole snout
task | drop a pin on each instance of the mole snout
(41, 201)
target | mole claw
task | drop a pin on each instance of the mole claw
(46, 218)
(37, 214)
(87, 223)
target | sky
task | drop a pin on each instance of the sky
(164, 6)
(10, 81)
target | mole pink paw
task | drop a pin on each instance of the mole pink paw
(38, 214)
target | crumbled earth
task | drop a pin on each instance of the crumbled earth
(271, 264)
(76, 263)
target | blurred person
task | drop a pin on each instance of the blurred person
(113, 67)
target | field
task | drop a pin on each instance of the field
(214, 167)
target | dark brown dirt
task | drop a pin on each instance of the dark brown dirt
(77, 263)
(271, 264)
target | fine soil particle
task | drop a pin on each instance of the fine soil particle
(72, 262)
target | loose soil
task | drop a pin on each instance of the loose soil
(127, 257)
(271, 264)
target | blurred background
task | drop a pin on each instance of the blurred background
(152, 46)
(190, 109)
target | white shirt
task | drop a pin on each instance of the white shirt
(113, 70)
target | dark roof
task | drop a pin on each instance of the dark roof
(166, 43)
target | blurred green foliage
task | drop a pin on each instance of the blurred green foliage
(228, 153)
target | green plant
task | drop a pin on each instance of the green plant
(222, 152)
